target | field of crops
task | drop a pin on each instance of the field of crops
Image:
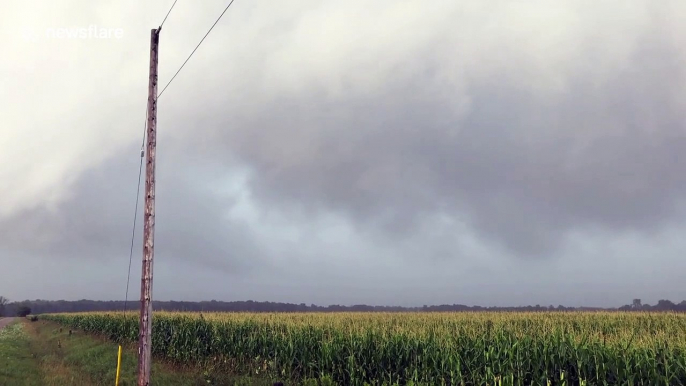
(419, 348)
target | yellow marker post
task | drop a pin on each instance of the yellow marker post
(116, 382)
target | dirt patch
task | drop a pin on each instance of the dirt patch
(5, 321)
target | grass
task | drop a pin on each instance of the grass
(563, 348)
(17, 365)
(44, 353)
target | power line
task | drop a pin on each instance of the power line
(135, 213)
(196, 47)
(140, 166)
(138, 189)
(170, 9)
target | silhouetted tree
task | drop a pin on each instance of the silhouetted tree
(665, 305)
(3, 303)
(22, 311)
(54, 306)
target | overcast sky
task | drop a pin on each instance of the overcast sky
(343, 152)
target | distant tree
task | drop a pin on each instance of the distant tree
(3, 302)
(665, 305)
(38, 307)
(22, 311)
(637, 304)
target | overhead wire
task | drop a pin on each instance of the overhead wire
(138, 188)
(165, 17)
(135, 213)
(142, 154)
(195, 49)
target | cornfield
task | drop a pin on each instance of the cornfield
(556, 348)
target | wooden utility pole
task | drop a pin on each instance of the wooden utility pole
(145, 326)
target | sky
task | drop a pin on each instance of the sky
(379, 152)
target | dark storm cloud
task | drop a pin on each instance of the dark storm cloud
(95, 221)
(523, 167)
(387, 145)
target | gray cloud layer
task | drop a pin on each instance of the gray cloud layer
(335, 152)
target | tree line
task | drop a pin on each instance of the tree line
(56, 306)
(10, 309)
